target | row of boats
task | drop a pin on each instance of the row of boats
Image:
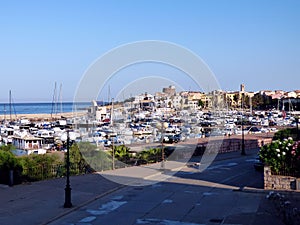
(39, 137)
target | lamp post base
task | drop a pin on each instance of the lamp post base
(68, 203)
(162, 165)
(243, 150)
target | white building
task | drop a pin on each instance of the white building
(28, 144)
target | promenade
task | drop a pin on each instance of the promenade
(42, 202)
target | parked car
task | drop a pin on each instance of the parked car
(254, 130)
(172, 138)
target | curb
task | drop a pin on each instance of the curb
(4, 186)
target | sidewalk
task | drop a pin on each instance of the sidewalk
(42, 202)
(39, 202)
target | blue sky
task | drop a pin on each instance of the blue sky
(43, 42)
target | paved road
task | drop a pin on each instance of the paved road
(219, 195)
(227, 192)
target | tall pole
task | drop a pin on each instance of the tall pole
(243, 136)
(112, 138)
(113, 153)
(111, 112)
(162, 166)
(297, 127)
(68, 203)
(10, 109)
(53, 110)
(4, 112)
(164, 126)
(60, 99)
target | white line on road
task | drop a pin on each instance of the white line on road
(88, 219)
(163, 222)
(222, 166)
(167, 201)
(106, 208)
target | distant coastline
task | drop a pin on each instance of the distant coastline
(43, 116)
(41, 108)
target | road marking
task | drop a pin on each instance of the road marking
(187, 172)
(118, 197)
(231, 224)
(192, 192)
(232, 164)
(167, 201)
(87, 219)
(250, 160)
(156, 185)
(208, 193)
(222, 165)
(106, 208)
(163, 222)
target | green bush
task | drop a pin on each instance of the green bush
(40, 167)
(122, 153)
(150, 156)
(282, 155)
(8, 161)
(95, 160)
(286, 133)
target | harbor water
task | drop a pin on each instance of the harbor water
(41, 108)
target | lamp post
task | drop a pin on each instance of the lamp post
(162, 126)
(113, 152)
(297, 126)
(66, 137)
(112, 137)
(243, 134)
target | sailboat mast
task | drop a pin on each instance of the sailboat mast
(4, 112)
(10, 106)
(250, 103)
(111, 112)
(60, 98)
(108, 97)
(53, 100)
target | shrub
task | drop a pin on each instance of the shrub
(285, 133)
(95, 160)
(40, 167)
(7, 162)
(150, 156)
(282, 155)
(122, 153)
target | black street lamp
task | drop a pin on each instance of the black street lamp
(243, 134)
(162, 126)
(68, 203)
(297, 126)
(243, 152)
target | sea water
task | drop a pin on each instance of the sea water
(41, 108)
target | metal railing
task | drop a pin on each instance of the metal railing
(51, 171)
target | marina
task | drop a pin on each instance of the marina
(144, 121)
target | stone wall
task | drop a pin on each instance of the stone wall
(277, 181)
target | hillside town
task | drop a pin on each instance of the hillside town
(170, 100)
(187, 114)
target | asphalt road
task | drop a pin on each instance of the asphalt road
(218, 195)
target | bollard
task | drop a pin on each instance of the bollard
(11, 178)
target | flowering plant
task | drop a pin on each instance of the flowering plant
(282, 155)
